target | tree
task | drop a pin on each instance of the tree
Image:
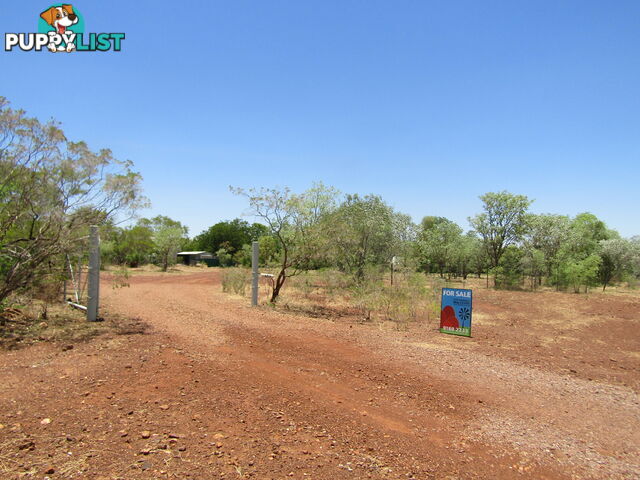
(224, 257)
(440, 243)
(464, 251)
(479, 261)
(502, 223)
(581, 273)
(532, 263)
(405, 236)
(364, 231)
(268, 249)
(168, 237)
(235, 234)
(547, 234)
(508, 273)
(294, 221)
(133, 246)
(585, 233)
(580, 252)
(51, 191)
(617, 258)
(635, 256)
(191, 245)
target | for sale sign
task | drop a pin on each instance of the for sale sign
(455, 311)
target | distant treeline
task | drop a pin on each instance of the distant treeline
(321, 228)
(53, 189)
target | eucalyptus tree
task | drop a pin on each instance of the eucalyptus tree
(440, 243)
(364, 231)
(618, 258)
(502, 223)
(168, 238)
(579, 258)
(51, 191)
(234, 234)
(465, 250)
(294, 221)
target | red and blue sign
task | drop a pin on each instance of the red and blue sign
(456, 311)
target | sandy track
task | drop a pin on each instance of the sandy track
(256, 393)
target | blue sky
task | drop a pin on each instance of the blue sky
(429, 104)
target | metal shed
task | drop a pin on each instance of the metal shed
(192, 258)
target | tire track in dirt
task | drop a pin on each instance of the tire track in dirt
(347, 380)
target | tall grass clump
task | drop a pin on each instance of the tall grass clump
(236, 280)
(406, 301)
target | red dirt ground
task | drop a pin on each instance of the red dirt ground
(547, 388)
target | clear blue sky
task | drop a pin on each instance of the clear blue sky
(429, 104)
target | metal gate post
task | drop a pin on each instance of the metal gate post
(94, 275)
(256, 274)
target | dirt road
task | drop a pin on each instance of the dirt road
(216, 389)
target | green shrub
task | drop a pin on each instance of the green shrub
(508, 273)
(120, 278)
(583, 273)
(224, 257)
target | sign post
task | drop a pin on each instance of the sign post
(456, 311)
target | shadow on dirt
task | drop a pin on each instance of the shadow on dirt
(21, 327)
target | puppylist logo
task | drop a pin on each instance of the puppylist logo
(61, 29)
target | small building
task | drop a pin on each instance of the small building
(193, 258)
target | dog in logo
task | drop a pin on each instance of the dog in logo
(60, 18)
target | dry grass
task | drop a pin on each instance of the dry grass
(20, 327)
(12, 463)
(545, 314)
(148, 270)
(480, 318)
(236, 280)
(334, 295)
(7, 463)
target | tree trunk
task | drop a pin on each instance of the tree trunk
(282, 276)
(278, 285)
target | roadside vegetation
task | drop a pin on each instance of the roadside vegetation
(341, 249)
(508, 245)
(52, 190)
(339, 252)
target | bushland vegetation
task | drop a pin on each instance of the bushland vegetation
(352, 247)
(514, 248)
(154, 240)
(359, 252)
(51, 191)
